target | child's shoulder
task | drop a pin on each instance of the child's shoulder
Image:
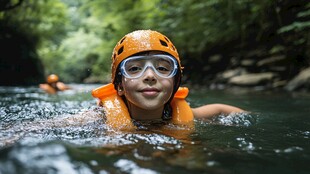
(47, 88)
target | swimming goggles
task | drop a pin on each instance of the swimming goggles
(164, 66)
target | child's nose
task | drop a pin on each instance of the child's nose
(149, 74)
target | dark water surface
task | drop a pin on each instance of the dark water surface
(41, 133)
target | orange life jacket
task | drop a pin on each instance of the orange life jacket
(118, 117)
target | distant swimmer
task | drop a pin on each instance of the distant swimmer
(53, 85)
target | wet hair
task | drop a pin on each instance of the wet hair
(167, 112)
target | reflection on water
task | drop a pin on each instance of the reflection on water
(64, 133)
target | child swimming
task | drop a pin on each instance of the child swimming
(145, 84)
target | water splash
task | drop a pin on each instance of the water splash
(236, 119)
(128, 166)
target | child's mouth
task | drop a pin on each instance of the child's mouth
(150, 92)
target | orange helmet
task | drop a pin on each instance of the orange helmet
(52, 78)
(140, 41)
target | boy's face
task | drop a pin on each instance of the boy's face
(148, 92)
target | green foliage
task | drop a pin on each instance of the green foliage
(297, 32)
(195, 26)
(39, 20)
(75, 38)
(73, 59)
(26, 28)
(300, 24)
(114, 19)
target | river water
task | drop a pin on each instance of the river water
(41, 133)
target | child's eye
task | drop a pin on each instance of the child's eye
(163, 69)
(134, 69)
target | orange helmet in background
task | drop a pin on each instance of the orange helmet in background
(141, 41)
(52, 78)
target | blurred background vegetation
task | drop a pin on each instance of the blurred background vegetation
(75, 38)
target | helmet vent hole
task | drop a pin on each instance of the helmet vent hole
(163, 43)
(122, 40)
(173, 47)
(120, 50)
(167, 39)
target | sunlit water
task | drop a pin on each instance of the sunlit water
(41, 133)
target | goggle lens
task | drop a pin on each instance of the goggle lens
(164, 66)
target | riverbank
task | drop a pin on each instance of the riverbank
(260, 67)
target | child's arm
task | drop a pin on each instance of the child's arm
(61, 86)
(211, 110)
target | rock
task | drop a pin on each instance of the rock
(215, 58)
(301, 80)
(278, 68)
(271, 60)
(279, 83)
(232, 73)
(252, 79)
(247, 62)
